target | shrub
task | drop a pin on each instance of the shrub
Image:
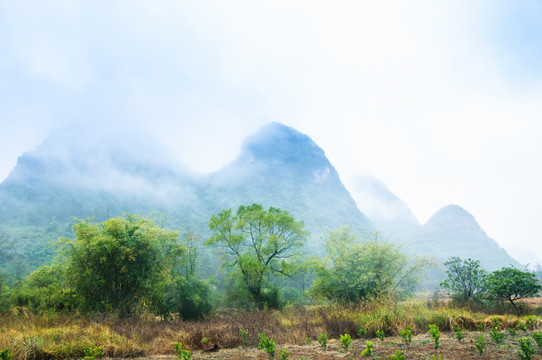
(380, 334)
(538, 339)
(406, 334)
(398, 356)
(244, 334)
(93, 353)
(182, 354)
(480, 327)
(512, 331)
(480, 344)
(526, 350)
(308, 341)
(458, 332)
(435, 334)
(436, 357)
(368, 349)
(5, 355)
(362, 332)
(267, 345)
(497, 336)
(346, 339)
(322, 339)
(522, 325)
(284, 353)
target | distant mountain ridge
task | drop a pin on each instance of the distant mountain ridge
(74, 174)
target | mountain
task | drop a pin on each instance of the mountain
(391, 216)
(77, 173)
(452, 231)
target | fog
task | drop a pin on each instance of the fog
(439, 101)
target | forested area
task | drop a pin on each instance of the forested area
(134, 268)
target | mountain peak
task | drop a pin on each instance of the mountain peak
(283, 143)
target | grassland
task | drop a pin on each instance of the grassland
(29, 336)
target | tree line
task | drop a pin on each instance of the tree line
(130, 265)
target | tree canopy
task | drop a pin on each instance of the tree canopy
(363, 269)
(466, 280)
(510, 284)
(257, 242)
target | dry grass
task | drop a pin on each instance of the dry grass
(30, 336)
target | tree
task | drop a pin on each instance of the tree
(510, 284)
(363, 269)
(5, 247)
(257, 241)
(466, 280)
(121, 264)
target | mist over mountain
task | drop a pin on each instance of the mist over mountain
(76, 173)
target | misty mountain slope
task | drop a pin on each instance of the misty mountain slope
(390, 215)
(452, 231)
(279, 166)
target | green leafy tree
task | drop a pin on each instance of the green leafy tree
(363, 270)
(466, 280)
(510, 284)
(257, 242)
(121, 264)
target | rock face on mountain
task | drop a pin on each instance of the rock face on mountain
(71, 175)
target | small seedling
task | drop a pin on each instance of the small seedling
(205, 340)
(480, 327)
(480, 344)
(368, 349)
(308, 341)
(496, 322)
(362, 332)
(406, 334)
(398, 356)
(436, 357)
(346, 339)
(538, 339)
(284, 353)
(526, 349)
(497, 336)
(322, 339)
(380, 334)
(267, 345)
(5, 355)
(458, 332)
(435, 334)
(93, 353)
(522, 325)
(512, 331)
(244, 334)
(182, 354)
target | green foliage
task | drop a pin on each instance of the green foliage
(406, 334)
(308, 341)
(346, 339)
(93, 353)
(368, 349)
(510, 284)
(435, 335)
(497, 336)
(480, 344)
(465, 281)
(322, 339)
(512, 331)
(398, 355)
(122, 264)
(522, 325)
(436, 357)
(182, 354)
(363, 270)
(5, 355)
(284, 353)
(458, 332)
(257, 241)
(526, 349)
(362, 332)
(244, 334)
(530, 321)
(480, 327)
(267, 345)
(188, 297)
(380, 334)
(538, 339)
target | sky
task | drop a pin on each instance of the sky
(441, 100)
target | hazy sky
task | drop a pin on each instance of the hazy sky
(442, 100)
